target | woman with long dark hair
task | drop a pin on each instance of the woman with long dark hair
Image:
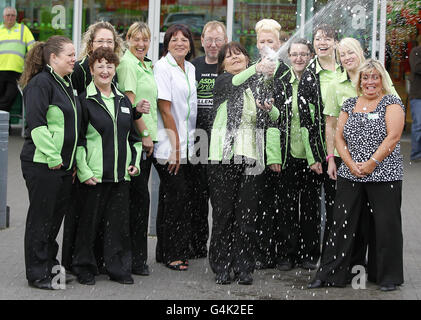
(237, 153)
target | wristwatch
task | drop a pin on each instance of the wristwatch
(144, 134)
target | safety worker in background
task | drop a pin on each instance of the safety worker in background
(15, 40)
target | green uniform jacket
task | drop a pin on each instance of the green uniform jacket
(229, 96)
(108, 143)
(312, 119)
(53, 120)
(278, 135)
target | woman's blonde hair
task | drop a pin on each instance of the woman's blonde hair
(139, 27)
(351, 44)
(371, 64)
(268, 25)
(89, 36)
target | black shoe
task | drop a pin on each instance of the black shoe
(316, 284)
(388, 287)
(307, 265)
(125, 280)
(223, 278)
(284, 266)
(141, 271)
(86, 278)
(44, 284)
(245, 278)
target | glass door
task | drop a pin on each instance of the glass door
(193, 13)
(44, 18)
(120, 13)
(248, 12)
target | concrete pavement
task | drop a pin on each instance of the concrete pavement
(198, 282)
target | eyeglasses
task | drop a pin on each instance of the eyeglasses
(101, 42)
(10, 15)
(301, 54)
(218, 41)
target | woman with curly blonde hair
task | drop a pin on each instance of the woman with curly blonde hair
(100, 34)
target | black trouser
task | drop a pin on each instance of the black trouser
(174, 214)
(200, 211)
(361, 238)
(139, 213)
(267, 186)
(386, 247)
(233, 197)
(8, 89)
(71, 222)
(49, 201)
(298, 219)
(105, 204)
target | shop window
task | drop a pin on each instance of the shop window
(247, 13)
(120, 13)
(194, 14)
(45, 18)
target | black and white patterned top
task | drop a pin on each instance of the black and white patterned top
(363, 134)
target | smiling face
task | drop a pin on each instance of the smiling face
(268, 39)
(179, 46)
(139, 45)
(235, 62)
(103, 73)
(64, 62)
(371, 83)
(349, 58)
(323, 44)
(299, 56)
(103, 38)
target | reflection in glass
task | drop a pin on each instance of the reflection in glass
(46, 18)
(120, 13)
(194, 14)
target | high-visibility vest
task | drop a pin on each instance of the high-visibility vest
(14, 43)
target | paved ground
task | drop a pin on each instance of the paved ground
(198, 282)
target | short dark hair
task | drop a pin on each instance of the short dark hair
(230, 47)
(171, 31)
(301, 41)
(103, 53)
(327, 29)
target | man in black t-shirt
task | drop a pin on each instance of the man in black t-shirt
(213, 38)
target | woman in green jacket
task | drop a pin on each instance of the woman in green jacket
(237, 153)
(48, 154)
(108, 154)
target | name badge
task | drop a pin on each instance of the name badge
(125, 110)
(373, 116)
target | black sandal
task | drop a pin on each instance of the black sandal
(177, 267)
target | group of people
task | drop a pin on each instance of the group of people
(259, 141)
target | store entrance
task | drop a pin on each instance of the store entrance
(403, 31)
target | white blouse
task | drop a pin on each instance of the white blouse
(179, 88)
